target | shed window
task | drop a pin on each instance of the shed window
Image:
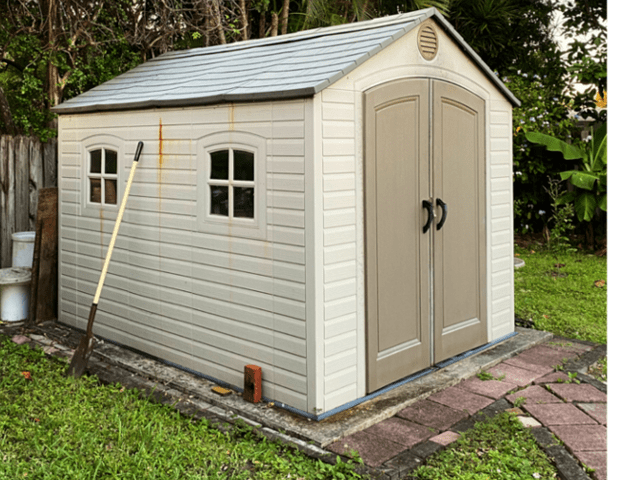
(232, 183)
(103, 176)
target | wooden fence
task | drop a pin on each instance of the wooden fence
(26, 165)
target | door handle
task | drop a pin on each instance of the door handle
(428, 205)
(445, 209)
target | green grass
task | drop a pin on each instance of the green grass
(54, 427)
(497, 449)
(563, 300)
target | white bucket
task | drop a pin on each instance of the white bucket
(14, 293)
(23, 249)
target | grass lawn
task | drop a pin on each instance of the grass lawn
(498, 449)
(564, 294)
(54, 427)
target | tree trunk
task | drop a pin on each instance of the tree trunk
(5, 114)
(285, 17)
(244, 19)
(262, 27)
(216, 6)
(274, 24)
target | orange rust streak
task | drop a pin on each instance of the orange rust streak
(160, 144)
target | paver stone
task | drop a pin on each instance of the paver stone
(460, 399)
(402, 431)
(529, 422)
(373, 450)
(445, 438)
(553, 377)
(597, 411)
(516, 375)
(574, 392)
(582, 437)
(595, 460)
(489, 388)
(432, 414)
(534, 395)
(560, 414)
(542, 356)
(569, 347)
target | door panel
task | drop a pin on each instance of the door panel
(459, 260)
(396, 171)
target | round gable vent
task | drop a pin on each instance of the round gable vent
(428, 40)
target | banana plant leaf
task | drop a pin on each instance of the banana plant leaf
(569, 152)
(585, 206)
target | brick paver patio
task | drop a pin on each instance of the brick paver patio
(575, 413)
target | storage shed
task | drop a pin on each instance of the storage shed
(334, 206)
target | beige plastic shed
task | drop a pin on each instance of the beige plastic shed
(334, 206)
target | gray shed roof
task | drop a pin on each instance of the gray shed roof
(289, 66)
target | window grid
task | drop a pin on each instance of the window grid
(231, 183)
(103, 177)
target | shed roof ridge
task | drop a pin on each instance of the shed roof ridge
(371, 24)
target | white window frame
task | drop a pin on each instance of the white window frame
(104, 142)
(102, 176)
(229, 225)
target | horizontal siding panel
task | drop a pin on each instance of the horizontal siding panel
(500, 130)
(69, 171)
(502, 237)
(339, 218)
(501, 291)
(340, 325)
(290, 326)
(286, 218)
(288, 111)
(287, 200)
(503, 318)
(339, 200)
(291, 344)
(501, 224)
(340, 397)
(500, 144)
(500, 118)
(501, 158)
(338, 111)
(339, 308)
(291, 380)
(499, 252)
(501, 197)
(346, 164)
(501, 171)
(333, 95)
(340, 344)
(146, 204)
(287, 235)
(501, 303)
(336, 236)
(339, 253)
(501, 184)
(286, 165)
(501, 211)
(338, 147)
(339, 362)
(292, 363)
(285, 182)
(166, 177)
(339, 181)
(287, 147)
(287, 130)
(155, 190)
(502, 277)
(337, 290)
(288, 253)
(340, 379)
(341, 271)
(336, 129)
(502, 264)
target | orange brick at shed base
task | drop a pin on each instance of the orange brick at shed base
(252, 383)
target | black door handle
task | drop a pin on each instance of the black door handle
(444, 208)
(427, 204)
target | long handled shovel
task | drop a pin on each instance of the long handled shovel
(83, 352)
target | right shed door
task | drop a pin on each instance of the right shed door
(459, 258)
(425, 291)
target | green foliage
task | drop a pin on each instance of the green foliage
(590, 179)
(53, 427)
(497, 449)
(570, 305)
(560, 220)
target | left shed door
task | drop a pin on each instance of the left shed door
(396, 178)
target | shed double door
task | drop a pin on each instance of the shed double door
(425, 278)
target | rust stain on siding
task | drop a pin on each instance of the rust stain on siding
(231, 117)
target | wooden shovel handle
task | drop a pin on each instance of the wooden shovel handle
(105, 267)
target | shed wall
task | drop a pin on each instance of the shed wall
(206, 301)
(343, 378)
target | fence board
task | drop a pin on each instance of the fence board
(26, 165)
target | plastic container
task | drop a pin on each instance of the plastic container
(23, 249)
(14, 293)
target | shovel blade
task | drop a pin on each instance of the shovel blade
(81, 356)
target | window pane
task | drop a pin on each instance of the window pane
(94, 190)
(110, 162)
(242, 165)
(219, 200)
(96, 161)
(220, 165)
(243, 202)
(110, 192)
